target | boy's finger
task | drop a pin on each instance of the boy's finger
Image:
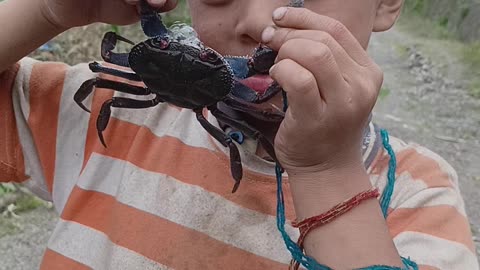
(319, 60)
(160, 5)
(282, 35)
(163, 5)
(301, 18)
(304, 98)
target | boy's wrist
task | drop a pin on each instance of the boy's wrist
(316, 192)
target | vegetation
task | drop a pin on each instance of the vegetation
(413, 21)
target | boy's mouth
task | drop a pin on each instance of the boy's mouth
(259, 83)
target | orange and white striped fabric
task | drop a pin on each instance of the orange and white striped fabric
(159, 196)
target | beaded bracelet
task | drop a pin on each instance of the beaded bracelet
(309, 224)
(310, 263)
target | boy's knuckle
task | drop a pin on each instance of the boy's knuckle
(337, 29)
(305, 81)
(321, 54)
(324, 37)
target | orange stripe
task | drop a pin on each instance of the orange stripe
(440, 221)
(419, 166)
(44, 109)
(55, 261)
(155, 238)
(11, 156)
(191, 165)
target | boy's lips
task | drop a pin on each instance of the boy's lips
(258, 83)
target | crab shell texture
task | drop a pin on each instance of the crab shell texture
(186, 76)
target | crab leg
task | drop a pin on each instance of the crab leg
(87, 87)
(219, 135)
(96, 67)
(247, 129)
(119, 102)
(109, 43)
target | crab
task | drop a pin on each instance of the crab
(177, 68)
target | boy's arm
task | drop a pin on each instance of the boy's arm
(332, 85)
(24, 28)
(27, 24)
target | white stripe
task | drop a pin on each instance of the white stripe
(437, 252)
(71, 136)
(95, 250)
(442, 163)
(187, 205)
(414, 193)
(21, 107)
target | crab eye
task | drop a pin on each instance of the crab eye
(208, 56)
(160, 43)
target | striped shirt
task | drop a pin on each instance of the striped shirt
(158, 197)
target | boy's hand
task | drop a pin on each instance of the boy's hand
(332, 86)
(65, 14)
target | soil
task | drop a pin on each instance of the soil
(425, 100)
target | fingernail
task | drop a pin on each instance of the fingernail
(272, 69)
(157, 2)
(279, 13)
(267, 34)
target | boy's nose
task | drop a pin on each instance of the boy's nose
(255, 16)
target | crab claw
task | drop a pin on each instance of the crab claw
(152, 24)
(262, 60)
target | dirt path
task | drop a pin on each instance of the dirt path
(24, 249)
(428, 103)
(420, 105)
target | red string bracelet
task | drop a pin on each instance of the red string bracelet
(312, 223)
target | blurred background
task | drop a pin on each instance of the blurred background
(431, 95)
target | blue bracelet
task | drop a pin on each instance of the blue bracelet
(310, 263)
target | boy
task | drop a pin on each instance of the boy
(158, 196)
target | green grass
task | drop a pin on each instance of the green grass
(6, 187)
(27, 203)
(474, 89)
(384, 92)
(412, 22)
(180, 14)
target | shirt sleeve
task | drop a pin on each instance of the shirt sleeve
(11, 158)
(427, 217)
(40, 115)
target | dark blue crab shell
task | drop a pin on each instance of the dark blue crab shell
(179, 76)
